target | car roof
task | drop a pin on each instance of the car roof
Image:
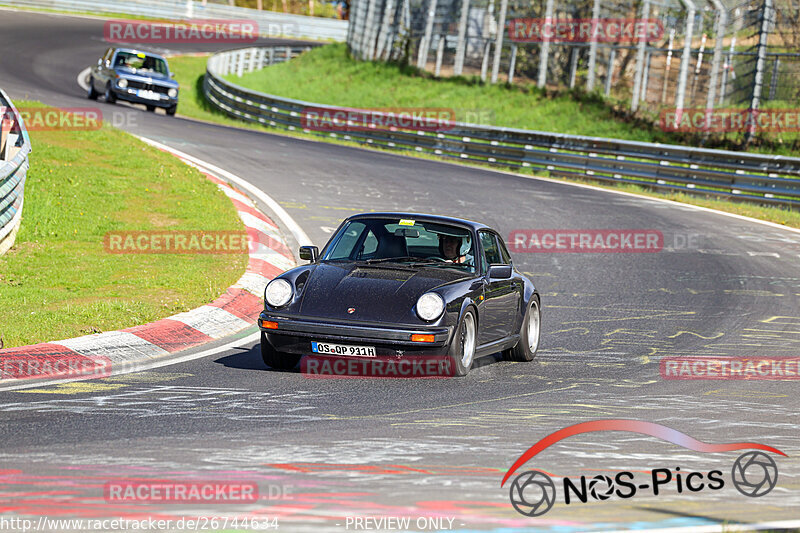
(136, 51)
(422, 216)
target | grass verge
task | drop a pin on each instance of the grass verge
(59, 282)
(319, 80)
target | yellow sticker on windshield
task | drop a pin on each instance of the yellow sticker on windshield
(141, 56)
(406, 222)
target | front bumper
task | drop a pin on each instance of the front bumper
(130, 95)
(294, 335)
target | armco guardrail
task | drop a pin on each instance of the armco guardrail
(15, 145)
(270, 23)
(746, 176)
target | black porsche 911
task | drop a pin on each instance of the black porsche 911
(402, 285)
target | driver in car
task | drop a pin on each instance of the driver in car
(450, 248)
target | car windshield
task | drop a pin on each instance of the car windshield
(409, 241)
(141, 62)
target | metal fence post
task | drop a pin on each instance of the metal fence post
(758, 80)
(461, 46)
(369, 31)
(352, 33)
(645, 76)
(667, 66)
(641, 45)
(722, 23)
(545, 47)
(698, 65)
(610, 72)
(573, 66)
(590, 75)
(402, 32)
(685, 58)
(727, 66)
(439, 54)
(773, 83)
(383, 35)
(485, 64)
(350, 25)
(513, 64)
(425, 43)
(498, 45)
(240, 63)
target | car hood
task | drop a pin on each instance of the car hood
(377, 293)
(146, 77)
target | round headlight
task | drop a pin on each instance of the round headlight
(278, 292)
(430, 306)
(172, 92)
(122, 83)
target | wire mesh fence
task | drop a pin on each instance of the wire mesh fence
(673, 61)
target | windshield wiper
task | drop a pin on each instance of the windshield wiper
(403, 259)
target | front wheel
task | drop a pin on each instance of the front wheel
(462, 350)
(171, 110)
(151, 108)
(92, 93)
(275, 359)
(528, 344)
(111, 98)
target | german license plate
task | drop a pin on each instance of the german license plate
(342, 349)
(148, 95)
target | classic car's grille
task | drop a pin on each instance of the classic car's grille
(147, 86)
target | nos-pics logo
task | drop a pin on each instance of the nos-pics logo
(533, 493)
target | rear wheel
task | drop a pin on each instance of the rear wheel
(275, 359)
(462, 350)
(111, 98)
(92, 94)
(528, 344)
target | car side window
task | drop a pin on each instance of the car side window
(504, 255)
(343, 247)
(491, 252)
(370, 245)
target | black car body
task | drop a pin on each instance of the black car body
(134, 76)
(363, 291)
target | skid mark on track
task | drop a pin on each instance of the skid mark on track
(164, 400)
(78, 387)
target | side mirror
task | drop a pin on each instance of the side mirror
(171, 74)
(499, 271)
(309, 253)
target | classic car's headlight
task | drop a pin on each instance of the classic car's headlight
(122, 83)
(430, 306)
(278, 292)
(172, 92)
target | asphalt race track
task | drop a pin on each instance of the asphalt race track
(324, 451)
